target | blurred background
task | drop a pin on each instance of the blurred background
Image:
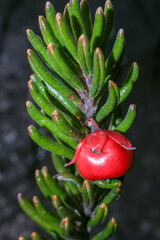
(138, 209)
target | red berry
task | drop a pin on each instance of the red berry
(104, 154)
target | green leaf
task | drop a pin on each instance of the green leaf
(110, 197)
(30, 210)
(43, 100)
(108, 24)
(108, 231)
(57, 189)
(47, 106)
(47, 123)
(117, 51)
(116, 117)
(67, 17)
(87, 194)
(54, 186)
(42, 184)
(44, 212)
(23, 238)
(45, 75)
(97, 30)
(38, 45)
(50, 15)
(48, 144)
(110, 104)
(102, 70)
(84, 55)
(100, 216)
(64, 226)
(62, 210)
(109, 183)
(37, 236)
(76, 19)
(72, 181)
(59, 164)
(96, 73)
(60, 91)
(86, 17)
(65, 127)
(71, 77)
(117, 91)
(67, 231)
(68, 107)
(112, 75)
(38, 88)
(128, 120)
(47, 33)
(66, 35)
(129, 82)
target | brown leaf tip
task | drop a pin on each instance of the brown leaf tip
(83, 2)
(27, 104)
(32, 76)
(99, 11)
(30, 85)
(85, 183)
(103, 205)
(44, 170)
(40, 18)
(111, 83)
(41, 22)
(20, 197)
(121, 32)
(108, 4)
(82, 37)
(48, 5)
(30, 129)
(135, 64)
(37, 172)
(29, 52)
(113, 221)
(21, 238)
(133, 107)
(28, 32)
(58, 18)
(54, 198)
(35, 199)
(66, 219)
(51, 45)
(55, 115)
(33, 235)
(98, 52)
(72, 97)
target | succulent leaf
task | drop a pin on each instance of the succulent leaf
(69, 84)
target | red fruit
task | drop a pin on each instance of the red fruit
(104, 154)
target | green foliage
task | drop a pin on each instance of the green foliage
(68, 85)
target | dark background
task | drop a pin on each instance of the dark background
(138, 210)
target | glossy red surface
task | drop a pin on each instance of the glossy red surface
(104, 154)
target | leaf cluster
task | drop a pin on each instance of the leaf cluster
(71, 77)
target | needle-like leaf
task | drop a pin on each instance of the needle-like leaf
(49, 144)
(128, 120)
(86, 17)
(129, 82)
(108, 24)
(110, 104)
(107, 231)
(100, 216)
(76, 19)
(97, 30)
